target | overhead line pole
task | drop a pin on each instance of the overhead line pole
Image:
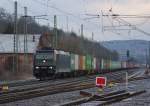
(15, 26)
(82, 30)
(25, 30)
(55, 39)
(25, 35)
(16, 39)
(149, 55)
(67, 24)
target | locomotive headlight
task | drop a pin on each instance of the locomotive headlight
(37, 67)
(44, 61)
(50, 67)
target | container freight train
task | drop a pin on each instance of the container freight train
(50, 63)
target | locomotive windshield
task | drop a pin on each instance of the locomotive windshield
(44, 58)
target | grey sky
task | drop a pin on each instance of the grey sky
(75, 10)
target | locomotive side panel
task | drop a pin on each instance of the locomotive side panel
(63, 62)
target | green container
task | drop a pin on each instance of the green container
(105, 64)
(72, 62)
(115, 65)
(88, 62)
(92, 60)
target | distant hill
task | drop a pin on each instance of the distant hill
(138, 48)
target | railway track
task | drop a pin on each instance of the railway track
(48, 88)
(108, 98)
(47, 84)
(35, 81)
(102, 100)
(40, 84)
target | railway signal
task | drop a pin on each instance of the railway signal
(128, 53)
(101, 81)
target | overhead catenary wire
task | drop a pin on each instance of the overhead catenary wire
(133, 26)
(75, 16)
(67, 14)
(64, 12)
(122, 22)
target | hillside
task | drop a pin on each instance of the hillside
(71, 42)
(138, 48)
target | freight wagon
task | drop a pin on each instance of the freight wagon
(50, 63)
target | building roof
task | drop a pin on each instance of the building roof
(7, 43)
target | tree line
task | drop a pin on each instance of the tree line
(71, 42)
(7, 24)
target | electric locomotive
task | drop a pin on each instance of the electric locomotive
(50, 63)
(44, 63)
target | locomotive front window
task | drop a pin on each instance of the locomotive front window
(44, 56)
(44, 59)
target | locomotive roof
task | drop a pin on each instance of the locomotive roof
(62, 52)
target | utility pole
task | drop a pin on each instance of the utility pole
(149, 56)
(93, 49)
(67, 24)
(25, 30)
(15, 57)
(110, 60)
(146, 58)
(25, 36)
(82, 40)
(55, 39)
(15, 29)
(102, 24)
(82, 30)
(126, 80)
(92, 36)
(93, 44)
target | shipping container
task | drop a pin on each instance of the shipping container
(62, 61)
(98, 65)
(123, 64)
(105, 64)
(115, 65)
(72, 61)
(76, 62)
(81, 62)
(94, 63)
(88, 63)
(130, 65)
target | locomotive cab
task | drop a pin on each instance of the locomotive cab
(44, 63)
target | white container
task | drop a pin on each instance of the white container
(76, 62)
(94, 63)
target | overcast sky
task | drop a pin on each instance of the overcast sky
(74, 13)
